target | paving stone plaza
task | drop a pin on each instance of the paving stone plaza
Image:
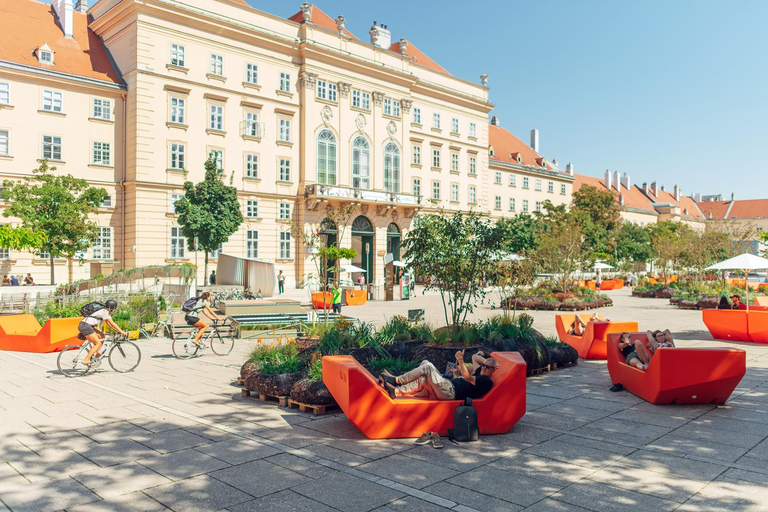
(177, 435)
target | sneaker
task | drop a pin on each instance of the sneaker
(617, 387)
(425, 438)
(436, 441)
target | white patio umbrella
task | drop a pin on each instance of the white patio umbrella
(602, 266)
(352, 268)
(399, 264)
(743, 262)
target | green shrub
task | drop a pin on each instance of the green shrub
(395, 365)
(315, 368)
(277, 358)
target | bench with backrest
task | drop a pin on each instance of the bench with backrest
(679, 375)
(592, 344)
(738, 324)
(378, 416)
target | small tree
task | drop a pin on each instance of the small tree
(633, 245)
(600, 218)
(455, 254)
(209, 211)
(57, 207)
(560, 245)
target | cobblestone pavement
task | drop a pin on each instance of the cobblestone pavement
(177, 435)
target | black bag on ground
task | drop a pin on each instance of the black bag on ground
(92, 307)
(465, 427)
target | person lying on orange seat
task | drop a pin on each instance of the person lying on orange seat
(656, 340)
(578, 325)
(630, 352)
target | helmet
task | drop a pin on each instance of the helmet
(111, 304)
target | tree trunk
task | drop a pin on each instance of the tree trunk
(205, 267)
(50, 256)
(70, 270)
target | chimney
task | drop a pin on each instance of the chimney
(554, 162)
(63, 10)
(676, 192)
(645, 187)
(625, 181)
(662, 188)
(341, 23)
(403, 46)
(621, 199)
(81, 6)
(380, 36)
(733, 196)
(535, 140)
(495, 121)
(654, 189)
(608, 179)
(710, 214)
(569, 169)
(696, 197)
(616, 181)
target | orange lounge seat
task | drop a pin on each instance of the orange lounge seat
(370, 408)
(22, 333)
(607, 285)
(321, 300)
(592, 344)
(356, 297)
(727, 324)
(761, 300)
(679, 375)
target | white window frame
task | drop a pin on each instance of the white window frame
(101, 109)
(526, 182)
(436, 158)
(538, 206)
(5, 253)
(251, 165)
(562, 189)
(219, 158)
(416, 155)
(361, 163)
(285, 82)
(512, 204)
(284, 211)
(356, 101)
(5, 93)
(455, 192)
(416, 186)
(177, 152)
(101, 153)
(472, 165)
(387, 106)
(365, 100)
(54, 142)
(178, 244)
(284, 169)
(285, 245)
(497, 203)
(5, 142)
(473, 130)
(392, 168)
(417, 116)
(538, 185)
(396, 109)
(513, 180)
(284, 132)
(251, 209)
(436, 190)
(216, 65)
(216, 117)
(178, 110)
(53, 101)
(106, 202)
(551, 187)
(525, 206)
(472, 195)
(321, 90)
(251, 243)
(172, 202)
(327, 157)
(252, 124)
(251, 73)
(45, 57)
(497, 178)
(178, 53)
(455, 125)
(436, 121)
(101, 248)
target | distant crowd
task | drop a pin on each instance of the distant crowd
(17, 280)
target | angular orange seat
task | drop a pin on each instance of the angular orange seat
(679, 375)
(727, 324)
(592, 344)
(762, 300)
(370, 408)
(22, 333)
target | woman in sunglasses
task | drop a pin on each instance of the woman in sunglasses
(656, 340)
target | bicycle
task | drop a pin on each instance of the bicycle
(123, 356)
(186, 348)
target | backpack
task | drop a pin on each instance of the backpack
(92, 307)
(189, 304)
(465, 427)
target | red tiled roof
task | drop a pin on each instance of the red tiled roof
(686, 204)
(319, 18)
(27, 24)
(718, 209)
(506, 148)
(241, 2)
(633, 197)
(749, 209)
(418, 56)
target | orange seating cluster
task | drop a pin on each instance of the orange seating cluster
(592, 344)
(22, 333)
(378, 416)
(608, 284)
(738, 324)
(679, 375)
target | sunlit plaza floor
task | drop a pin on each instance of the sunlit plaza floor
(177, 435)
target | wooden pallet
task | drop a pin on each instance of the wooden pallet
(318, 410)
(539, 371)
(555, 366)
(282, 401)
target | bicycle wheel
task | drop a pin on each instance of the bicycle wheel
(222, 345)
(70, 361)
(184, 348)
(124, 356)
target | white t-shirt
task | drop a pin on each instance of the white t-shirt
(97, 319)
(199, 305)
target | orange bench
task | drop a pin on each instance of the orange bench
(370, 408)
(355, 297)
(592, 344)
(679, 375)
(321, 300)
(738, 325)
(761, 300)
(22, 333)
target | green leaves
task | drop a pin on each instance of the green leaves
(21, 238)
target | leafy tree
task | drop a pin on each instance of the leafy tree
(58, 207)
(763, 237)
(670, 241)
(560, 244)
(209, 211)
(518, 233)
(633, 245)
(455, 254)
(20, 238)
(599, 216)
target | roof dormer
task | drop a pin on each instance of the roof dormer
(44, 54)
(517, 157)
(490, 151)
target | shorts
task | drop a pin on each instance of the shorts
(632, 355)
(191, 320)
(85, 329)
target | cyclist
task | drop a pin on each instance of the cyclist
(91, 328)
(193, 317)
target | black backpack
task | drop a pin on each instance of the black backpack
(189, 304)
(92, 307)
(465, 427)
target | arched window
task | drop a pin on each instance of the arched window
(361, 163)
(392, 168)
(326, 158)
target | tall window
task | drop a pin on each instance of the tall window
(472, 195)
(5, 146)
(525, 206)
(416, 155)
(454, 192)
(436, 121)
(51, 147)
(252, 73)
(252, 124)
(101, 152)
(455, 162)
(285, 130)
(356, 98)
(387, 106)
(497, 203)
(53, 101)
(550, 187)
(326, 90)
(102, 245)
(396, 108)
(436, 190)
(538, 206)
(416, 186)
(391, 168)
(285, 82)
(102, 109)
(512, 204)
(417, 115)
(178, 108)
(454, 125)
(251, 243)
(538, 185)
(5, 93)
(326, 157)
(251, 165)
(365, 101)
(472, 130)
(361, 163)
(512, 180)
(218, 156)
(177, 156)
(178, 243)
(217, 65)
(435, 158)
(562, 188)
(5, 253)
(251, 209)
(285, 245)
(284, 211)
(497, 178)
(525, 182)
(472, 165)
(284, 170)
(216, 118)
(172, 202)
(177, 55)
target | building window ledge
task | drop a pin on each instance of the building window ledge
(51, 113)
(101, 166)
(281, 182)
(284, 93)
(437, 130)
(284, 260)
(180, 69)
(6, 157)
(417, 166)
(473, 139)
(416, 125)
(327, 102)
(219, 78)
(220, 133)
(249, 85)
(253, 219)
(455, 172)
(6, 106)
(56, 261)
(387, 116)
(180, 126)
(52, 161)
(251, 138)
(176, 260)
(455, 134)
(285, 143)
(358, 109)
(180, 172)
(100, 120)
(436, 169)
(252, 179)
